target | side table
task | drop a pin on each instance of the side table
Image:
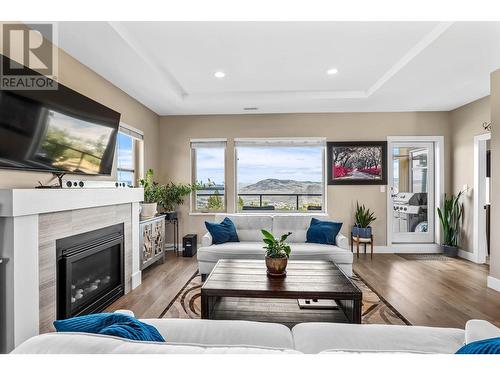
(175, 222)
(358, 240)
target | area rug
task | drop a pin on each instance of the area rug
(375, 310)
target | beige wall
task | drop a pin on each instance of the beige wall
(82, 79)
(495, 175)
(466, 123)
(176, 132)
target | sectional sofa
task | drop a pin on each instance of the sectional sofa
(250, 246)
(194, 336)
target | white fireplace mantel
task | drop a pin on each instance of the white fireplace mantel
(19, 242)
(21, 202)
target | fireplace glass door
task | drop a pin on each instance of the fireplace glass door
(90, 277)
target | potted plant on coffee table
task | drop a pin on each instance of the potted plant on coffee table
(152, 195)
(364, 217)
(173, 195)
(450, 217)
(277, 253)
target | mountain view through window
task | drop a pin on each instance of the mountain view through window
(280, 178)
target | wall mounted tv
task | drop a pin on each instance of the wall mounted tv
(58, 131)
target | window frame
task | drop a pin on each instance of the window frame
(137, 138)
(193, 206)
(324, 189)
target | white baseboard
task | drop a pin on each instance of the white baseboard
(136, 279)
(467, 255)
(407, 248)
(494, 283)
(170, 247)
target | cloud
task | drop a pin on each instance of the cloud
(294, 163)
(259, 163)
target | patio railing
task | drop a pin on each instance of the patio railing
(263, 204)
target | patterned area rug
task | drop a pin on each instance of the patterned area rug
(375, 309)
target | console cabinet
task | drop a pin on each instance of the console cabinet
(152, 240)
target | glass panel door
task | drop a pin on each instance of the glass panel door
(411, 176)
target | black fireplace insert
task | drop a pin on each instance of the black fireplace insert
(90, 271)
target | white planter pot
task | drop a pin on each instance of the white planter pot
(148, 210)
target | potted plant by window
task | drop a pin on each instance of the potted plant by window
(277, 253)
(450, 217)
(152, 195)
(173, 195)
(364, 217)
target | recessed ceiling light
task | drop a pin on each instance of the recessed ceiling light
(332, 71)
(219, 74)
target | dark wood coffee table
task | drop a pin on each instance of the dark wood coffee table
(241, 289)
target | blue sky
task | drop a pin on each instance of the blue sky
(124, 151)
(210, 165)
(259, 163)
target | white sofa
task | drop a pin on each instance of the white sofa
(194, 336)
(251, 246)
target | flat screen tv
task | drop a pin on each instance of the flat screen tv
(58, 131)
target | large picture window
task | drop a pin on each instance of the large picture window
(129, 156)
(280, 175)
(208, 158)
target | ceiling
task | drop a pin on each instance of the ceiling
(281, 67)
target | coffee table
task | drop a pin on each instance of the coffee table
(240, 289)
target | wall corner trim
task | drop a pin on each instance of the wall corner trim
(494, 283)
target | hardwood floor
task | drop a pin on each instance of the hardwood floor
(160, 285)
(431, 293)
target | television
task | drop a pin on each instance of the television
(58, 131)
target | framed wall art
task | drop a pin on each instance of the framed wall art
(357, 163)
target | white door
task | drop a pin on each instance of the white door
(411, 183)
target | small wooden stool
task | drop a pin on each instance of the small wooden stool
(364, 241)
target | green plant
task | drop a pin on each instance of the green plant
(215, 202)
(363, 216)
(276, 248)
(173, 194)
(152, 190)
(450, 217)
(240, 203)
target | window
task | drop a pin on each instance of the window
(208, 158)
(280, 175)
(129, 156)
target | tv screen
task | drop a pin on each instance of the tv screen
(58, 131)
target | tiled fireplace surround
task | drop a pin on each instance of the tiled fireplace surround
(31, 220)
(54, 226)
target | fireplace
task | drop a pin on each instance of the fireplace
(90, 271)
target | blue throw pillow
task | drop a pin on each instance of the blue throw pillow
(323, 232)
(223, 232)
(488, 346)
(112, 324)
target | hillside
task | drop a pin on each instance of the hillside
(272, 185)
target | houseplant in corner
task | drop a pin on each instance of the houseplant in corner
(450, 217)
(277, 253)
(152, 195)
(173, 195)
(364, 217)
